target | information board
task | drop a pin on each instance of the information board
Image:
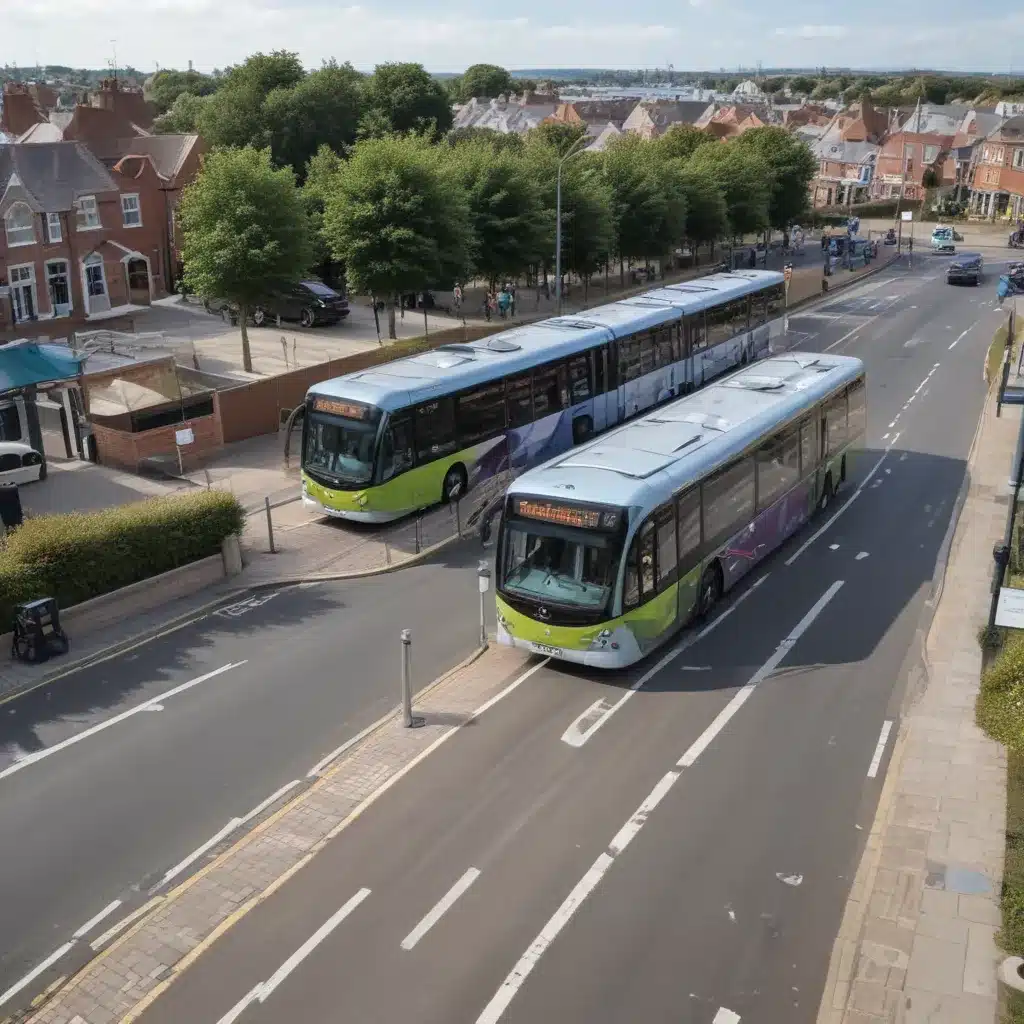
(339, 407)
(1010, 609)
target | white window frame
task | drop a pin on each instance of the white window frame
(67, 276)
(13, 233)
(54, 229)
(1018, 158)
(137, 211)
(19, 283)
(87, 216)
(94, 260)
(934, 150)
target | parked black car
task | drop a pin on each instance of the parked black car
(309, 302)
(967, 268)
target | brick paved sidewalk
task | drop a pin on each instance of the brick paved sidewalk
(916, 943)
(143, 961)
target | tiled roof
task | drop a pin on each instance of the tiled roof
(54, 173)
(168, 152)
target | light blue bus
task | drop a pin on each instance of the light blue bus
(386, 441)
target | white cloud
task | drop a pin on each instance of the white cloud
(814, 31)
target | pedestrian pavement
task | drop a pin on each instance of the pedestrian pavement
(917, 940)
(139, 964)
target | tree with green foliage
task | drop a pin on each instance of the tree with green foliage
(802, 84)
(648, 201)
(245, 231)
(559, 136)
(164, 88)
(183, 117)
(234, 115)
(743, 178)
(321, 172)
(791, 166)
(500, 142)
(320, 110)
(588, 220)
(506, 214)
(681, 141)
(707, 217)
(404, 98)
(397, 221)
(485, 81)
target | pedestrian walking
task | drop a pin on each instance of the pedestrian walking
(503, 303)
(457, 297)
(487, 306)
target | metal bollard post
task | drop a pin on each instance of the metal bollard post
(407, 715)
(483, 573)
(416, 530)
(458, 517)
(270, 524)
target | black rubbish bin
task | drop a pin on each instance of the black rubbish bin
(36, 632)
(10, 506)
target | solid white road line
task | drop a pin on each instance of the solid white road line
(145, 706)
(880, 749)
(600, 711)
(272, 799)
(99, 942)
(310, 944)
(501, 1000)
(348, 744)
(34, 973)
(960, 337)
(197, 853)
(93, 921)
(835, 515)
(440, 908)
(725, 1016)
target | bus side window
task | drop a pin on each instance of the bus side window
(665, 522)
(835, 418)
(698, 331)
(519, 401)
(435, 429)
(647, 357)
(809, 450)
(613, 365)
(481, 414)
(599, 355)
(629, 359)
(688, 514)
(664, 354)
(858, 399)
(631, 583)
(775, 296)
(396, 451)
(778, 467)
(548, 385)
(729, 500)
(579, 378)
(758, 309)
(739, 316)
(647, 555)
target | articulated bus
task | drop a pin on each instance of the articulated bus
(387, 441)
(606, 551)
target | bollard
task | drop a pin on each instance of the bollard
(270, 525)
(416, 532)
(458, 517)
(387, 552)
(407, 715)
(483, 574)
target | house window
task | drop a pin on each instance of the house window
(931, 154)
(95, 282)
(53, 229)
(1018, 158)
(88, 214)
(23, 293)
(131, 211)
(58, 283)
(19, 222)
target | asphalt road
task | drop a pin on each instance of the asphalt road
(96, 808)
(688, 861)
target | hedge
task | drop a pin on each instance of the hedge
(1000, 708)
(85, 554)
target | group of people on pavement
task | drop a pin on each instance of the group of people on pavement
(502, 302)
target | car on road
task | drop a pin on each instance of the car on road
(967, 268)
(308, 302)
(19, 463)
(943, 239)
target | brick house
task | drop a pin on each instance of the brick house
(594, 112)
(735, 119)
(998, 187)
(78, 241)
(845, 172)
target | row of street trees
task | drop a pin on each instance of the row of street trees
(403, 213)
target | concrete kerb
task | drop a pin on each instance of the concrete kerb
(160, 900)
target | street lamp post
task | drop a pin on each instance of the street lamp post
(573, 151)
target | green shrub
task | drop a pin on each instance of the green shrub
(82, 555)
(1000, 709)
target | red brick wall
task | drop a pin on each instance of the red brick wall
(127, 450)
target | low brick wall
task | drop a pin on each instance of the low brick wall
(128, 450)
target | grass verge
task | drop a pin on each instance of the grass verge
(996, 350)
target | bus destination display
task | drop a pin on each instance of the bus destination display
(336, 407)
(564, 515)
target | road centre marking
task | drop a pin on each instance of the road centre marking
(493, 1012)
(35, 972)
(148, 705)
(93, 921)
(880, 749)
(725, 1016)
(440, 908)
(600, 711)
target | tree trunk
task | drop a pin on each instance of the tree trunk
(376, 319)
(622, 273)
(606, 263)
(243, 316)
(392, 333)
(426, 329)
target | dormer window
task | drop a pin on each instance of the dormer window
(19, 223)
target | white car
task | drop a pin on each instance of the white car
(19, 463)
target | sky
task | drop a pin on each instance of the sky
(447, 35)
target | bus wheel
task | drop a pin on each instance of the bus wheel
(711, 587)
(826, 493)
(454, 485)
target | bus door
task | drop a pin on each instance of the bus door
(687, 336)
(604, 395)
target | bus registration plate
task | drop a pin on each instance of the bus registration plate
(554, 652)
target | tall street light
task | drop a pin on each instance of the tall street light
(573, 151)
